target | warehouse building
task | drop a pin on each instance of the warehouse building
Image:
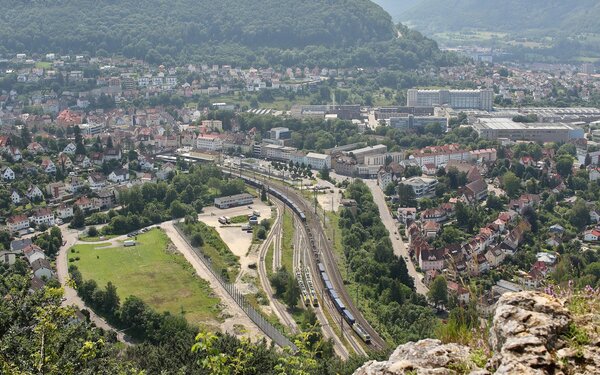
(234, 200)
(506, 128)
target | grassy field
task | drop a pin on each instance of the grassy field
(287, 250)
(152, 272)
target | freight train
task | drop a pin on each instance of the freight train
(329, 289)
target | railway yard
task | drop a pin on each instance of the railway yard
(316, 269)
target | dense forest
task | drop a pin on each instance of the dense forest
(336, 33)
(562, 16)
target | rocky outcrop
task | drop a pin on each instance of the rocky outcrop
(531, 333)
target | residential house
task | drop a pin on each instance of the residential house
(431, 259)
(595, 216)
(592, 235)
(34, 193)
(48, 166)
(422, 186)
(64, 211)
(35, 148)
(64, 161)
(8, 257)
(17, 223)
(462, 294)
(165, 170)
(15, 197)
(83, 161)
(8, 174)
(406, 215)
(56, 190)
(119, 175)
(495, 256)
(42, 269)
(515, 237)
(106, 199)
(14, 153)
(437, 215)
(74, 184)
(96, 181)
(475, 191)
(33, 252)
(19, 245)
(85, 204)
(43, 216)
(431, 229)
(112, 154)
(70, 149)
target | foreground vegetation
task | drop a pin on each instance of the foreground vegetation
(152, 271)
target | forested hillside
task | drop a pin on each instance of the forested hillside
(563, 16)
(326, 32)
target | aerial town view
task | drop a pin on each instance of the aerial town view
(300, 187)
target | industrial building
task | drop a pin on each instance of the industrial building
(234, 200)
(506, 128)
(457, 99)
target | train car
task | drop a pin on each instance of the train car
(339, 305)
(325, 277)
(349, 317)
(333, 294)
(328, 285)
(360, 331)
(303, 217)
(315, 300)
(321, 267)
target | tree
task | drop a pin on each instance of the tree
(292, 292)
(324, 173)
(511, 184)
(111, 299)
(92, 232)
(390, 189)
(438, 291)
(80, 147)
(261, 233)
(579, 215)
(197, 240)
(78, 220)
(406, 196)
(279, 281)
(564, 166)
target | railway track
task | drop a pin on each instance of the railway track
(318, 240)
(280, 310)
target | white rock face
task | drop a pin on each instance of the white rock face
(529, 335)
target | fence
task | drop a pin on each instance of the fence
(269, 330)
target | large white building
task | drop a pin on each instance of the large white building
(317, 161)
(209, 142)
(495, 128)
(458, 99)
(234, 200)
(422, 186)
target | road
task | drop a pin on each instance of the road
(390, 223)
(70, 237)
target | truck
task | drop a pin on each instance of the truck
(129, 243)
(227, 219)
(222, 220)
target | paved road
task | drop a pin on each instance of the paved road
(70, 237)
(391, 224)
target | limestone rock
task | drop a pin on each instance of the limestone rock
(426, 357)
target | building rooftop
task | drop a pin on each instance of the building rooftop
(509, 124)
